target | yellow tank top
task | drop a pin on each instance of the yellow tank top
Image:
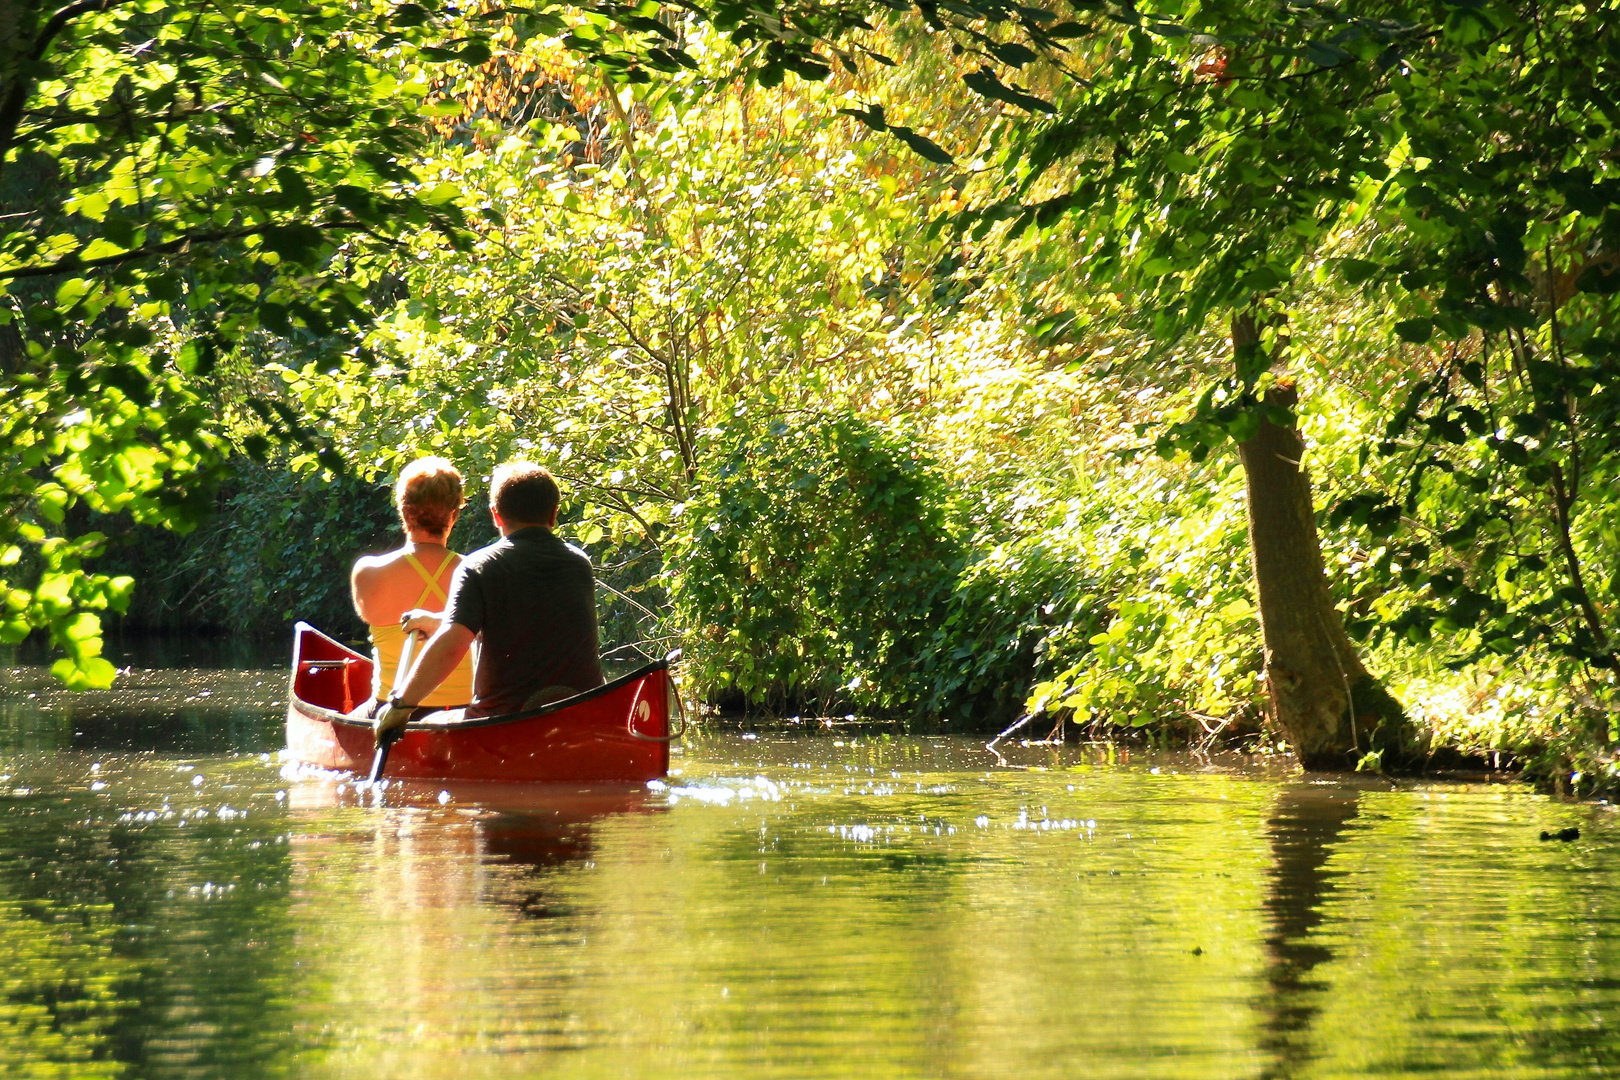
(388, 641)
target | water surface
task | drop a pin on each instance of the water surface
(177, 901)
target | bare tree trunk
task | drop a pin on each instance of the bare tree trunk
(1322, 699)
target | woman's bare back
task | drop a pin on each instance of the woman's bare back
(387, 586)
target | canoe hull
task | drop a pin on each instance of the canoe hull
(615, 733)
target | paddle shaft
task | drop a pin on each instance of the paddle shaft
(386, 741)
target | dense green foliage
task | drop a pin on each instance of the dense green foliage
(277, 548)
(868, 423)
(812, 548)
(186, 191)
(186, 178)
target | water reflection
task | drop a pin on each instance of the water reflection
(841, 906)
(143, 918)
(1303, 829)
(170, 697)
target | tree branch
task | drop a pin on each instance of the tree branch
(179, 243)
(16, 95)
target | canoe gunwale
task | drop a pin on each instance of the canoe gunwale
(317, 712)
(588, 738)
(320, 712)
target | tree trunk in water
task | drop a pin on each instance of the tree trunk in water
(1321, 697)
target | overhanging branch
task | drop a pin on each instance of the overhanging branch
(179, 243)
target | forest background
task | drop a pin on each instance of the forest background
(916, 366)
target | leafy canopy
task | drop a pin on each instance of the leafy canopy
(184, 190)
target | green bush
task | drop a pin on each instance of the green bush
(1011, 611)
(812, 565)
(827, 566)
(1164, 549)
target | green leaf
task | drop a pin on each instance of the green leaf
(1177, 162)
(441, 194)
(101, 248)
(120, 590)
(1357, 271)
(807, 68)
(296, 242)
(1417, 331)
(1011, 53)
(871, 116)
(1325, 55)
(52, 501)
(197, 356)
(409, 15)
(92, 673)
(922, 145)
(1261, 279)
(1243, 426)
(985, 82)
(1511, 450)
(70, 291)
(84, 627)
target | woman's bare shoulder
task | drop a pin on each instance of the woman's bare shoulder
(367, 565)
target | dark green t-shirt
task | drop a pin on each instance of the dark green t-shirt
(531, 598)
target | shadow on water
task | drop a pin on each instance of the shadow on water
(200, 651)
(1305, 825)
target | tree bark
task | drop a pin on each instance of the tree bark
(1321, 697)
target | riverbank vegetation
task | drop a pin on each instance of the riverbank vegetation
(1223, 371)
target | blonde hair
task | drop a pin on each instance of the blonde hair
(428, 494)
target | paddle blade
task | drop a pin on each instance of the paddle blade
(379, 760)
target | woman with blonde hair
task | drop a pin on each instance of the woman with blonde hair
(414, 580)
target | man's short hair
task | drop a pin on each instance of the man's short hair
(428, 494)
(524, 493)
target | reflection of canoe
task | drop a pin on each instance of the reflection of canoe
(618, 732)
(569, 802)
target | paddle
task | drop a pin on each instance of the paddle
(386, 741)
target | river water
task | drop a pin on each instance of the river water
(176, 901)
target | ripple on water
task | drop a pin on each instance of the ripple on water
(789, 907)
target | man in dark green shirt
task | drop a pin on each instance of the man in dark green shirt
(530, 601)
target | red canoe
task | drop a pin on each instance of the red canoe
(617, 732)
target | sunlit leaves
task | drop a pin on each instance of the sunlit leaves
(192, 184)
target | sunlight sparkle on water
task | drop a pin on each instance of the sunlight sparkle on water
(791, 906)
